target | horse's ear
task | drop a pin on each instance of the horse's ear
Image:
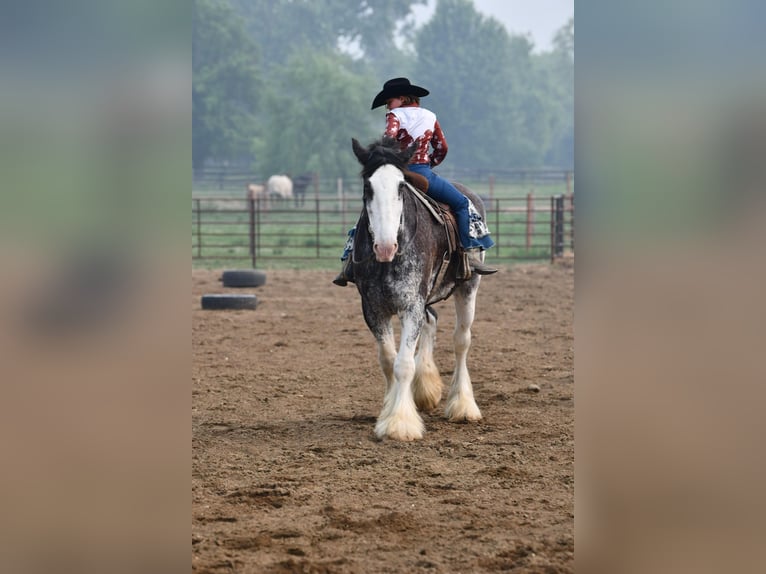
(416, 180)
(360, 152)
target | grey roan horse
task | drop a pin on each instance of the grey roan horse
(399, 251)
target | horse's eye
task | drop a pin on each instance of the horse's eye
(367, 191)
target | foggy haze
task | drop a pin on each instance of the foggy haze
(539, 19)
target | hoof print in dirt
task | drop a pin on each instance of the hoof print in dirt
(229, 301)
(243, 278)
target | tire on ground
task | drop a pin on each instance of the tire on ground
(243, 278)
(229, 301)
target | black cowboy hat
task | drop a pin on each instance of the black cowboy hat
(395, 88)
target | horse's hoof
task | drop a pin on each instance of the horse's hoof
(461, 412)
(402, 438)
(399, 430)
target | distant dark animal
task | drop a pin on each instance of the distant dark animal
(402, 265)
(300, 184)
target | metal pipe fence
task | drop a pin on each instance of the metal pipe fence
(258, 233)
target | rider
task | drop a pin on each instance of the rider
(407, 122)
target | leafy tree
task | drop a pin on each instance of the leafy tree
(281, 27)
(301, 100)
(316, 103)
(529, 104)
(560, 66)
(375, 27)
(224, 85)
(463, 59)
(493, 100)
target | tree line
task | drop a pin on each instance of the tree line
(283, 85)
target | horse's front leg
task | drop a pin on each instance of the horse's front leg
(399, 418)
(386, 351)
(460, 403)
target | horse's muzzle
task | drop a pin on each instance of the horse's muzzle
(385, 252)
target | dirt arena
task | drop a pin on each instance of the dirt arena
(288, 477)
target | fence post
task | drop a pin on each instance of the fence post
(251, 227)
(491, 187)
(557, 226)
(199, 230)
(553, 223)
(571, 221)
(317, 227)
(530, 218)
(258, 224)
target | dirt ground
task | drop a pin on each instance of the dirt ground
(288, 477)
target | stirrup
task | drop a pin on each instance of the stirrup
(345, 276)
(464, 267)
(340, 280)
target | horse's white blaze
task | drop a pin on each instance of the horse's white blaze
(384, 211)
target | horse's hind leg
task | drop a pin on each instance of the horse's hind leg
(460, 403)
(427, 386)
(399, 418)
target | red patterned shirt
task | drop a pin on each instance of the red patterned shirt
(412, 123)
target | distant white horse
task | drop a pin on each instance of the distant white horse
(279, 187)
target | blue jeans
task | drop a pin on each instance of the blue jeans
(442, 190)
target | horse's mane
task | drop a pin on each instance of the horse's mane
(385, 151)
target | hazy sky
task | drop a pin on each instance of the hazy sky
(538, 18)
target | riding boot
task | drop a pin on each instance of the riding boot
(346, 274)
(475, 264)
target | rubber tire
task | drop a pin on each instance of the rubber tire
(229, 301)
(243, 278)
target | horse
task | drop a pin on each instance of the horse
(279, 188)
(300, 184)
(403, 264)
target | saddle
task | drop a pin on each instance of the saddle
(460, 270)
(441, 211)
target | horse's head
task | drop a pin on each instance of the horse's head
(383, 167)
